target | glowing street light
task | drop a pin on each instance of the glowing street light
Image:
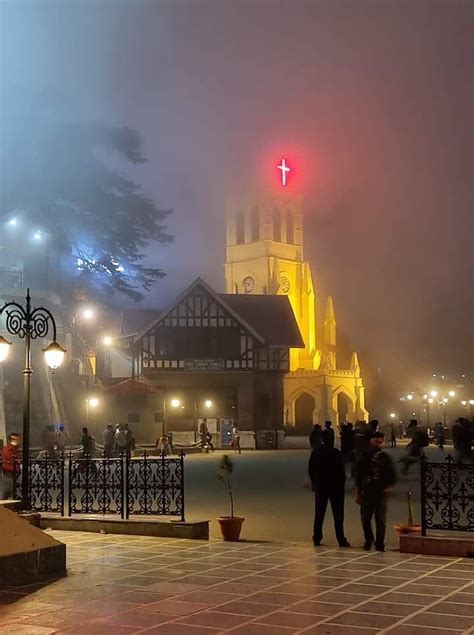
(445, 400)
(93, 402)
(409, 397)
(463, 402)
(12, 222)
(392, 415)
(430, 400)
(452, 393)
(87, 314)
(434, 393)
(54, 355)
(208, 403)
(4, 348)
(175, 403)
(107, 340)
(471, 402)
(38, 235)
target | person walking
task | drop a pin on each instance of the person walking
(109, 441)
(375, 475)
(328, 476)
(206, 436)
(236, 439)
(316, 437)
(328, 434)
(10, 465)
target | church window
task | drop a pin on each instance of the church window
(239, 227)
(276, 225)
(290, 229)
(255, 223)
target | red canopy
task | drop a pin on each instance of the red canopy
(130, 387)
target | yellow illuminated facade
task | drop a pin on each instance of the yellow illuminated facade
(264, 255)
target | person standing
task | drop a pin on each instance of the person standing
(87, 442)
(347, 442)
(109, 441)
(328, 476)
(236, 439)
(10, 465)
(60, 439)
(120, 439)
(393, 435)
(439, 435)
(375, 475)
(316, 437)
(328, 434)
(129, 440)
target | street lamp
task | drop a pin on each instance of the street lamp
(409, 397)
(392, 415)
(208, 403)
(175, 403)
(29, 324)
(107, 340)
(434, 393)
(452, 393)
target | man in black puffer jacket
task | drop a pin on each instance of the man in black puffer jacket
(328, 476)
(375, 474)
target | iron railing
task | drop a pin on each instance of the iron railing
(447, 495)
(121, 486)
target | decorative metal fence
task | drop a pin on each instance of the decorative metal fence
(122, 486)
(447, 495)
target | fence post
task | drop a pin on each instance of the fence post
(450, 462)
(69, 497)
(126, 494)
(63, 493)
(423, 493)
(181, 459)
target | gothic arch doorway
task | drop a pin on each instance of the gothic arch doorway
(304, 408)
(344, 407)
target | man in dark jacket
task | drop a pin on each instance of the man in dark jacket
(375, 474)
(315, 438)
(328, 434)
(328, 476)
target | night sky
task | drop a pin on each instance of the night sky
(371, 101)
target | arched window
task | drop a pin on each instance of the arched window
(255, 223)
(290, 228)
(239, 227)
(276, 225)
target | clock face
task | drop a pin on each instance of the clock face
(285, 284)
(248, 284)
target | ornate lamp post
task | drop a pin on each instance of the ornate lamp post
(29, 324)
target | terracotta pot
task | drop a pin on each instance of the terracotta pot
(230, 527)
(402, 529)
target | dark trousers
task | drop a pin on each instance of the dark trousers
(7, 485)
(374, 503)
(321, 499)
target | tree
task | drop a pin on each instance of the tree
(65, 178)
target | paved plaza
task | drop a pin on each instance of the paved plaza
(122, 584)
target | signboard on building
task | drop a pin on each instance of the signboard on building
(204, 365)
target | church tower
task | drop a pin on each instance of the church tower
(264, 255)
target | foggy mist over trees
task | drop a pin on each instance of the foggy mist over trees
(372, 101)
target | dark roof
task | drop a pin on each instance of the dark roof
(270, 315)
(133, 320)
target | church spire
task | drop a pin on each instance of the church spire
(330, 324)
(355, 366)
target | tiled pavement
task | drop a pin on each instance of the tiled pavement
(126, 584)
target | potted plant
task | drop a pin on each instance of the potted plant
(230, 525)
(410, 527)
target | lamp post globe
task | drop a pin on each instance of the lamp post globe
(54, 355)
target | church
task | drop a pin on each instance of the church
(264, 256)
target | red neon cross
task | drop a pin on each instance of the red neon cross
(284, 169)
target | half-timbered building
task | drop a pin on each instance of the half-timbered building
(219, 356)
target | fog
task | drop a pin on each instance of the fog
(372, 102)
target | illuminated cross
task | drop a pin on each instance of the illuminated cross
(284, 169)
